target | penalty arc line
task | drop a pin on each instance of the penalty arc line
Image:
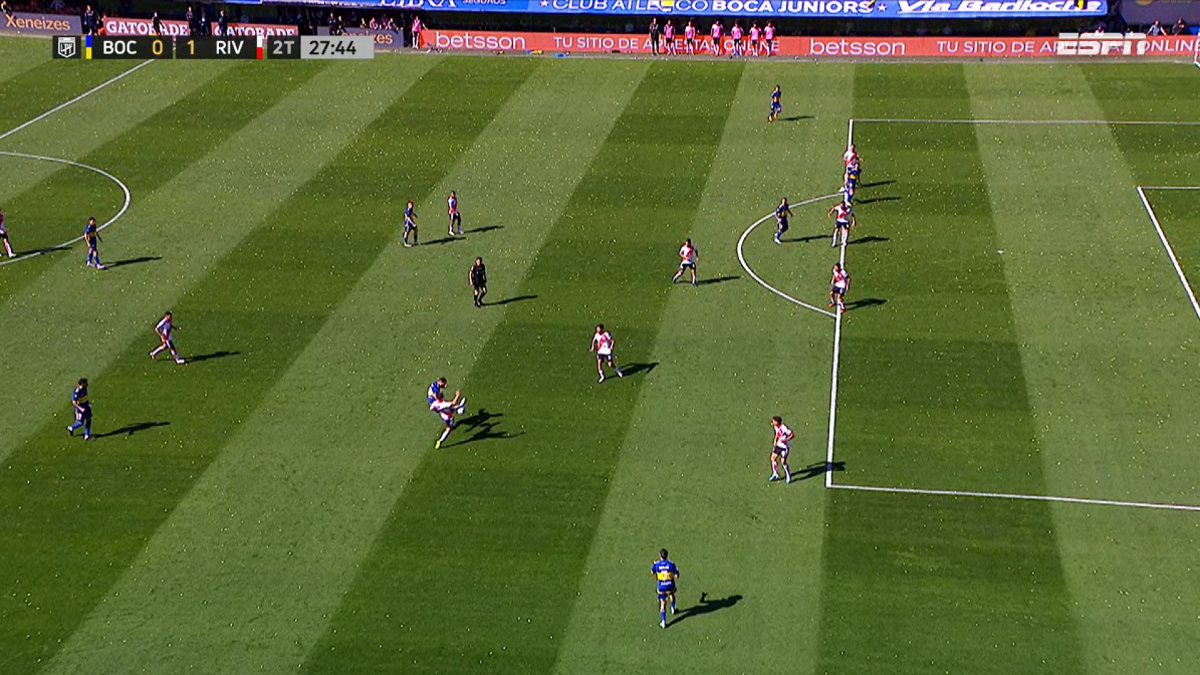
(65, 244)
(78, 98)
(769, 287)
(1187, 287)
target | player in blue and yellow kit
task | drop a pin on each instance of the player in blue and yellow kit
(83, 410)
(410, 224)
(91, 237)
(853, 171)
(782, 213)
(776, 105)
(665, 573)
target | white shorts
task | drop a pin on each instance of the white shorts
(604, 354)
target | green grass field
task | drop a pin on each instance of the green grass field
(1015, 327)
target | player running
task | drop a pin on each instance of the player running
(455, 217)
(83, 410)
(446, 410)
(843, 220)
(410, 224)
(665, 573)
(850, 185)
(165, 328)
(687, 261)
(838, 284)
(776, 104)
(4, 237)
(782, 213)
(91, 237)
(779, 451)
(478, 278)
(602, 344)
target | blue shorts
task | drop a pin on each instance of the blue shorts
(776, 107)
(663, 593)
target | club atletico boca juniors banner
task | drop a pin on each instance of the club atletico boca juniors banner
(757, 9)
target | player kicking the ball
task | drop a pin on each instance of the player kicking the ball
(446, 410)
(165, 329)
(602, 344)
(779, 451)
(687, 261)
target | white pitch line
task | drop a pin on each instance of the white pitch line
(1151, 123)
(1171, 187)
(837, 347)
(78, 98)
(102, 172)
(769, 287)
(1032, 498)
(1170, 251)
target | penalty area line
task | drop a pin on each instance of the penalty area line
(769, 287)
(1149, 123)
(77, 99)
(65, 244)
(1018, 497)
(1162, 236)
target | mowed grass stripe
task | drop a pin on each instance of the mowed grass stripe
(19, 55)
(264, 301)
(145, 157)
(48, 84)
(480, 558)
(188, 220)
(933, 394)
(1110, 348)
(693, 469)
(208, 594)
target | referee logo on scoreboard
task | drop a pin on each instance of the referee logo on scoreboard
(66, 47)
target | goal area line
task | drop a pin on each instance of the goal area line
(830, 465)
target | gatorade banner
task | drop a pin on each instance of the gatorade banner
(753, 9)
(1094, 45)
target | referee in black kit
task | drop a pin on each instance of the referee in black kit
(478, 278)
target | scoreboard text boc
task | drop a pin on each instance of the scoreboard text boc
(230, 47)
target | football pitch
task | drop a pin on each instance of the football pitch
(995, 477)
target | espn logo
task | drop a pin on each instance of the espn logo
(1101, 44)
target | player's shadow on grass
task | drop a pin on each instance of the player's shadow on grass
(443, 240)
(482, 426)
(134, 261)
(485, 228)
(717, 280)
(706, 606)
(868, 240)
(806, 239)
(874, 200)
(131, 429)
(635, 368)
(818, 469)
(796, 118)
(517, 298)
(214, 355)
(864, 302)
(878, 183)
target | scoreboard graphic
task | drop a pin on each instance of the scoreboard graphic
(248, 47)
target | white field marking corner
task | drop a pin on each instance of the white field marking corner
(1004, 495)
(77, 99)
(102, 172)
(1162, 236)
(769, 287)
